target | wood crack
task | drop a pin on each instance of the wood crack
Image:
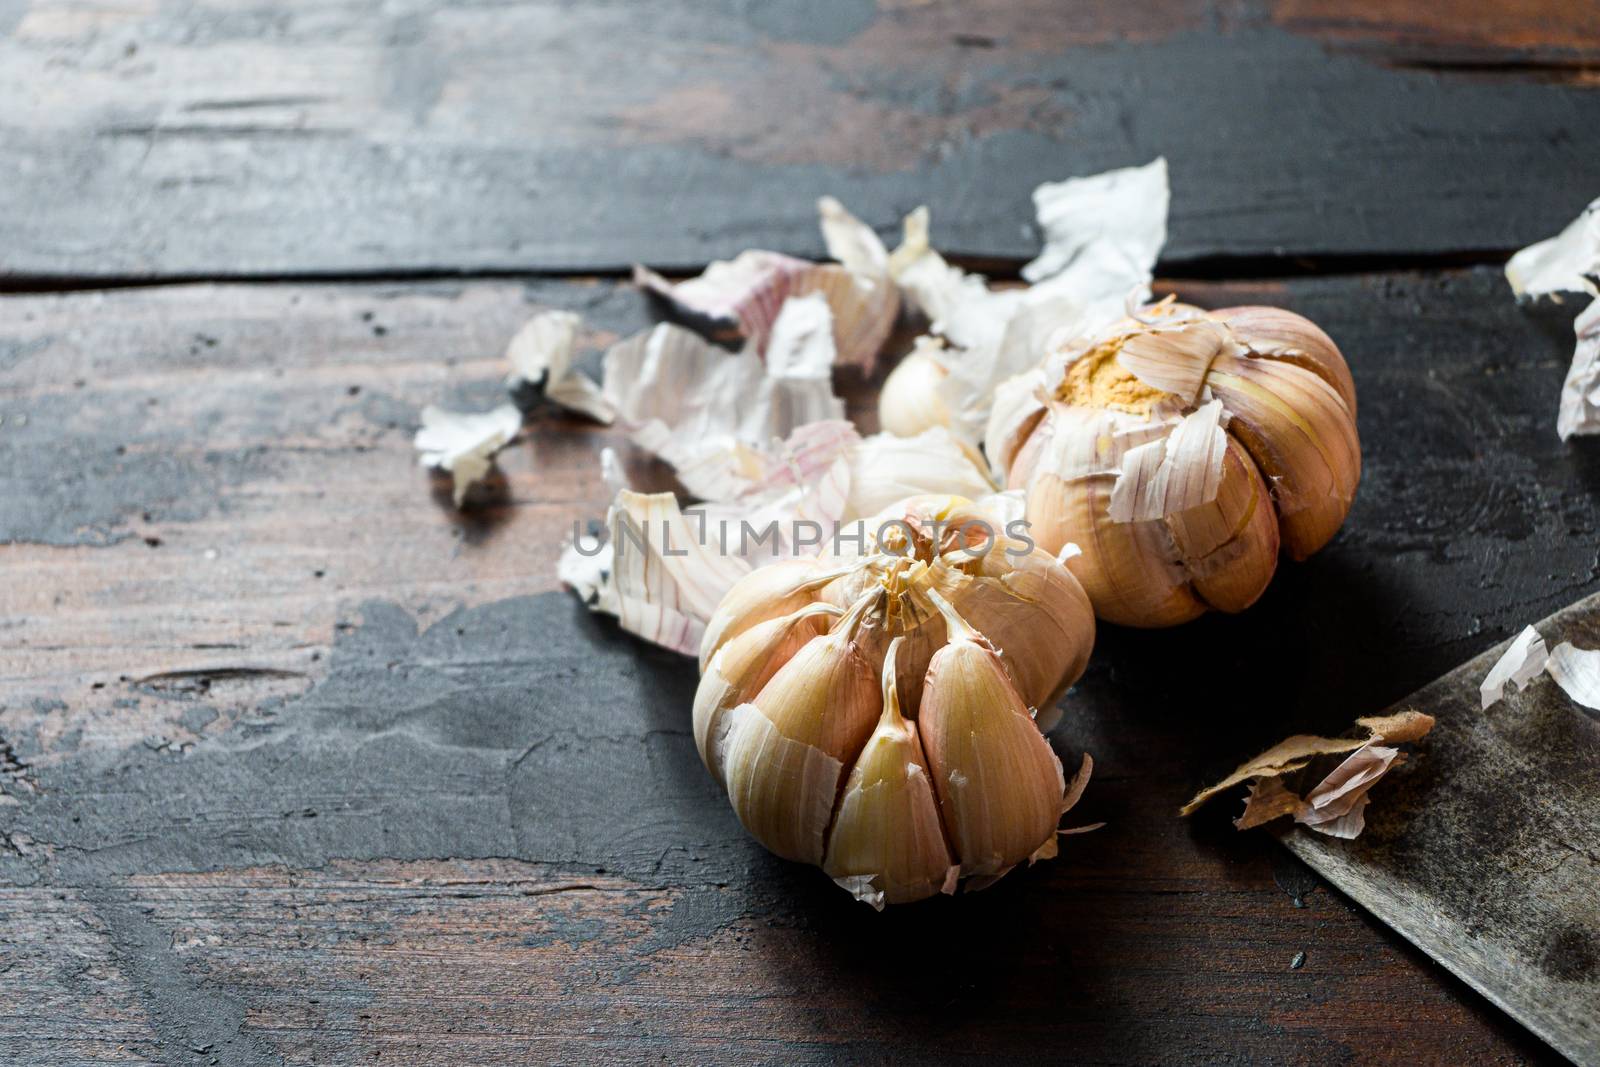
(1219, 268)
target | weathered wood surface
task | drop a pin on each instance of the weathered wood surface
(1486, 853)
(300, 765)
(229, 138)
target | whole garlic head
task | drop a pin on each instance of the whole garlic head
(1181, 451)
(872, 711)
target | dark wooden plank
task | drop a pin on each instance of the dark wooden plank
(1488, 855)
(331, 770)
(218, 140)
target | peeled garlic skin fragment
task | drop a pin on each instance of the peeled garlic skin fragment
(1302, 437)
(999, 784)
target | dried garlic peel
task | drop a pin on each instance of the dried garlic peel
(1102, 236)
(1335, 806)
(1570, 263)
(465, 444)
(898, 750)
(744, 296)
(1518, 665)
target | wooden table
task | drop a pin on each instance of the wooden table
(299, 764)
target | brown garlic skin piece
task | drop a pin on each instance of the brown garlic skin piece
(1288, 475)
(822, 755)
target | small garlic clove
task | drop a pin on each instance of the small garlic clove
(886, 844)
(909, 402)
(1303, 439)
(1230, 545)
(765, 593)
(787, 749)
(999, 784)
(742, 666)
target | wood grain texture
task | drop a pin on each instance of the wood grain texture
(1486, 854)
(300, 765)
(224, 139)
(1554, 37)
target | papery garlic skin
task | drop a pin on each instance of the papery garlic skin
(1068, 433)
(819, 739)
(885, 469)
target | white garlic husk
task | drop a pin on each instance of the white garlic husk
(814, 704)
(885, 469)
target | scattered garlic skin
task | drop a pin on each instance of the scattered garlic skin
(823, 742)
(1289, 475)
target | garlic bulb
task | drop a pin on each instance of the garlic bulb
(872, 710)
(909, 401)
(1181, 451)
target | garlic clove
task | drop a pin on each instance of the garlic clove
(1130, 570)
(1037, 616)
(1303, 439)
(910, 402)
(782, 789)
(1273, 333)
(1016, 412)
(742, 666)
(886, 844)
(787, 749)
(1230, 545)
(999, 784)
(765, 593)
